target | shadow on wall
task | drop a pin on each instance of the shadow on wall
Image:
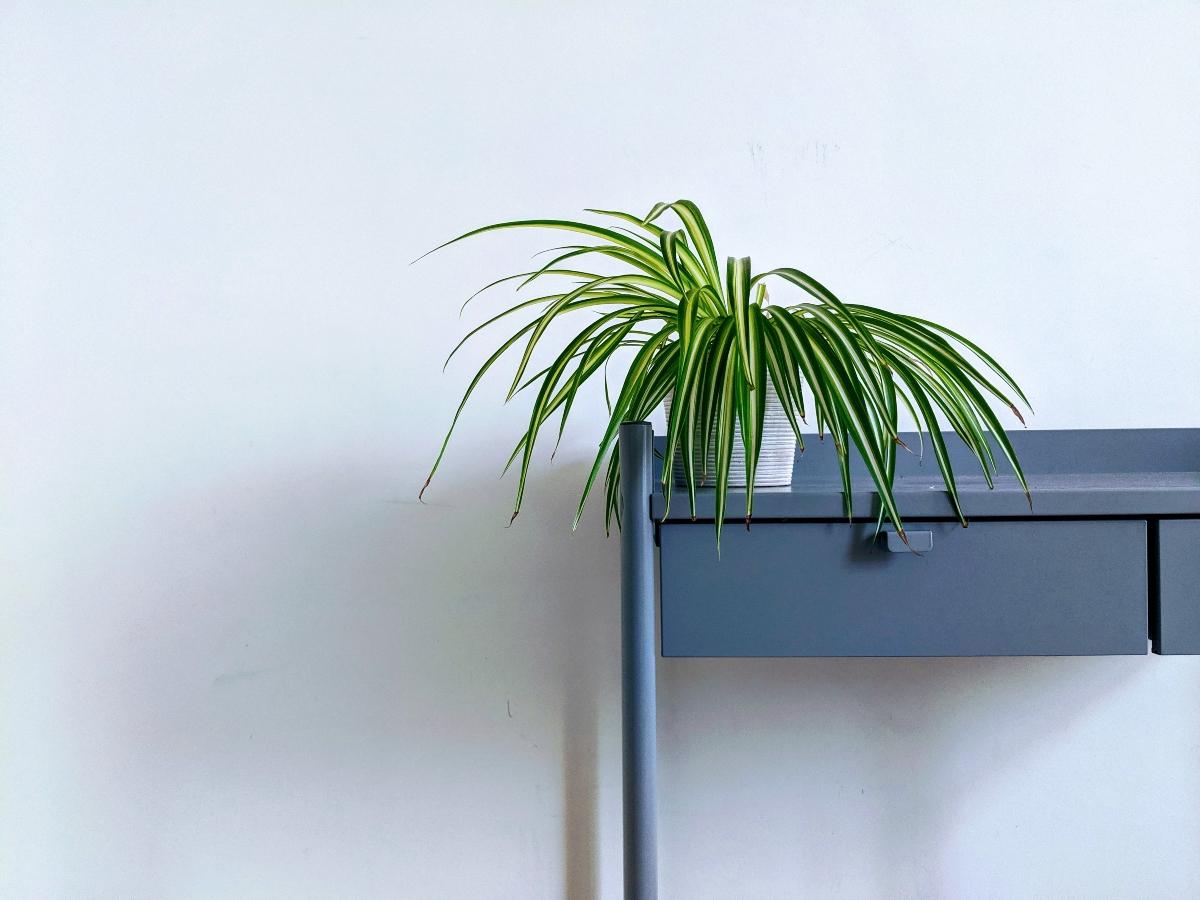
(581, 784)
(323, 674)
(863, 762)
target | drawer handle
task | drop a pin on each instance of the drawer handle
(920, 541)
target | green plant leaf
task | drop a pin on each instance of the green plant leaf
(753, 402)
(738, 290)
(725, 424)
(635, 250)
(562, 305)
(633, 382)
(683, 409)
(697, 229)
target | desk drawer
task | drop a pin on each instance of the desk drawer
(1054, 588)
(1178, 626)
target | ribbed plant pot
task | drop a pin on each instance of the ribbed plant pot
(775, 459)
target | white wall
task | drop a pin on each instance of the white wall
(238, 660)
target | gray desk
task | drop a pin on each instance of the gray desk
(1106, 562)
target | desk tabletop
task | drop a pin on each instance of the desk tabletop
(1102, 473)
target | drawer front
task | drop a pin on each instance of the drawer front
(1012, 588)
(1178, 627)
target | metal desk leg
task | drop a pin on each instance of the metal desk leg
(637, 663)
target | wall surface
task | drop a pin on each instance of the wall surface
(238, 660)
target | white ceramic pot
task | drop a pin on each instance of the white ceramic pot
(775, 459)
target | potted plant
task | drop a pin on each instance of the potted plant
(710, 343)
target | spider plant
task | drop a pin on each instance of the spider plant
(714, 339)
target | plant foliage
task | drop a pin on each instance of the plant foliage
(714, 339)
